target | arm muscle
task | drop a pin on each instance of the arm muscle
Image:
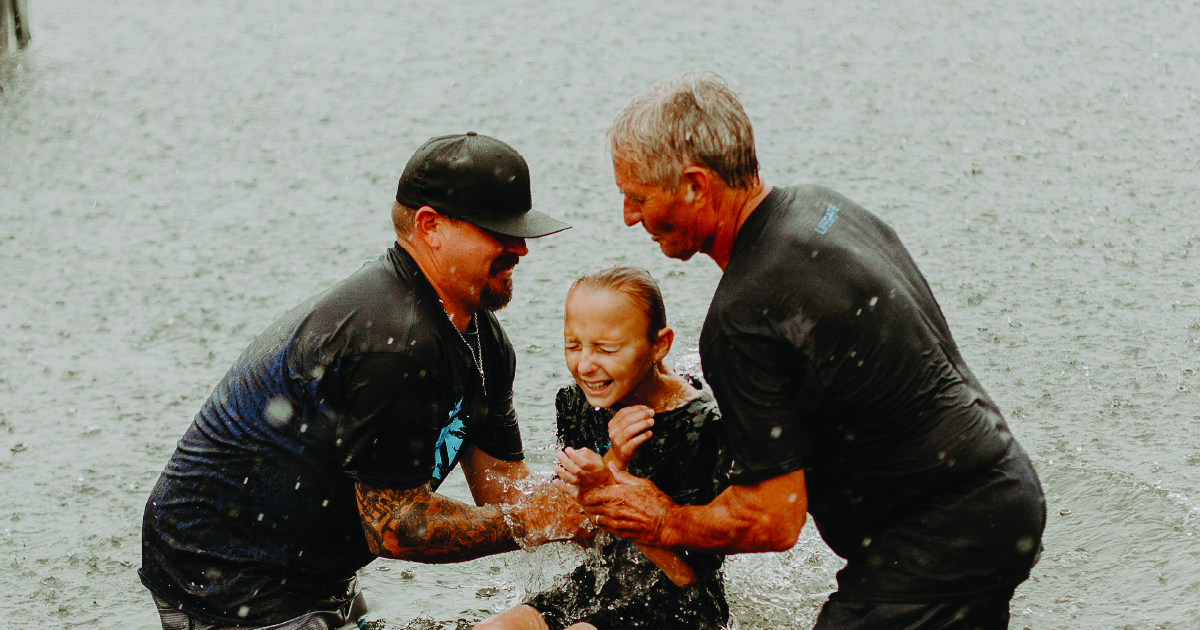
(767, 516)
(421, 526)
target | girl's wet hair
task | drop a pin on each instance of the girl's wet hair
(634, 282)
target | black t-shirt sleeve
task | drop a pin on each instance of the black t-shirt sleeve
(766, 387)
(386, 434)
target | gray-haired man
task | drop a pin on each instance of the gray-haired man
(843, 393)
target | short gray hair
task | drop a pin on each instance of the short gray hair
(690, 118)
(402, 218)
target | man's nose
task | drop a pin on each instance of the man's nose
(516, 245)
(633, 216)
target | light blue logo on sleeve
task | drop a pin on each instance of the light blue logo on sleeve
(445, 455)
(831, 213)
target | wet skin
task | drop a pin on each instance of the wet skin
(470, 268)
(607, 349)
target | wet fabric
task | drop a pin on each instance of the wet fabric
(346, 617)
(985, 612)
(255, 518)
(621, 588)
(828, 353)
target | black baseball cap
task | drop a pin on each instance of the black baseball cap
(477, 179)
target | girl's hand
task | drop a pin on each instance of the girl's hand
(580, 470)
(627, 430)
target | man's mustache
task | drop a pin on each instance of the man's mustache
(504, 262)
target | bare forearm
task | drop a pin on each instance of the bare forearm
(493, 481)
(421, 526)
(728, 525)
(767, 516)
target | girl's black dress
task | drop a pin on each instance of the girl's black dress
(686, 459)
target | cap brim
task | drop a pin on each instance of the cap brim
(528, 224)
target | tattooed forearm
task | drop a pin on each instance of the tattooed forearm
(421, 526)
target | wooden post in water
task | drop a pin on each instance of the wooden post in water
(20, 11)
(5, 9)
(14, 19)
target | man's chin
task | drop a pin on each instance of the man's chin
(678, 254)
(495, 298)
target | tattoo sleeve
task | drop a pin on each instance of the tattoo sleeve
(422, 526)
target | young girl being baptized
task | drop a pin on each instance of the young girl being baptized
(642, 417)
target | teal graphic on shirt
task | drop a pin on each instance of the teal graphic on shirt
(448, 445)
(831, 214)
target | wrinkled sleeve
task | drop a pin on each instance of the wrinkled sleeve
(764, 388)
(387, 433)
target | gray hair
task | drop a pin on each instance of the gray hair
(688, 119)
(402, 218)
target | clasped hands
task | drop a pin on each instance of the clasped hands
(616, 501)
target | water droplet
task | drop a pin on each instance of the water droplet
(318, 372)
(792, 497)
(1025, 544)
(260, 516)
(866, 541)
(390, 340)
(874, 301)
(297, 486)
(814, 253)
(279, 411)
(325, 503)
(776, 432)
(243, 611)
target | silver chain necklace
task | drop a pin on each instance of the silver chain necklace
(477, 351)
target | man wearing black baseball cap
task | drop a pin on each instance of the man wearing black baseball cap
(322, 447)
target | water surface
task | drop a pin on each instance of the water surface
(175, 176)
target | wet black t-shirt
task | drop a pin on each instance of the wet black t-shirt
(827, 353)
(686, 458)
(255, 519)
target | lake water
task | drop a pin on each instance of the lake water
(175, 176)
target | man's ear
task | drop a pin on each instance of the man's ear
(662, 343)
(427, 227)
(697, 182)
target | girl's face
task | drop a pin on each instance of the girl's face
(607, 348)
